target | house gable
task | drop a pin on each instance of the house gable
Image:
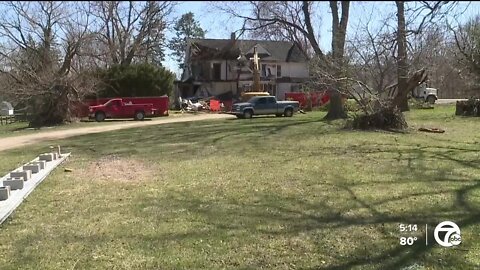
(261, 51)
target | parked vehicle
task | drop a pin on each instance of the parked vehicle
(160, 103)
(261, 105)
(425, 93)
(246, 96)
(118, 108)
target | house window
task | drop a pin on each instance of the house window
(217, 71)
(279, 71)
(264, 70)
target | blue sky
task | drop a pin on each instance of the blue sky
(219, 25)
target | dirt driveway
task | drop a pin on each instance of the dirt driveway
(22, 140)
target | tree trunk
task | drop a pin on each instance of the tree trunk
(336, 109)
(339, 30)
(310, 34)
(400, 99)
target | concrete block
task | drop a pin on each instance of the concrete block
(35, 168)
(46, 157)
(14, 183)
(4, 193)
(55, 155)
(25, 174)
(41, 163)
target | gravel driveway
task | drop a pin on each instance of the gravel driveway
(22, 140)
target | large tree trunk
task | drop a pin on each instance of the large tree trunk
(336, 109)
(400, 99)
(339, 30)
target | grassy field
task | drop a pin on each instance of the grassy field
(265, 193)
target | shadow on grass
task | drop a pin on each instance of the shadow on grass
(114, 120)
(296, 216)
(219, 134)
(296, 222)
(299, 216)
(323, 216)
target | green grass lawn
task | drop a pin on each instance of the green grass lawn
(265, 193)
(12, 129)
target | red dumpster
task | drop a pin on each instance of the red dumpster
(214, 105)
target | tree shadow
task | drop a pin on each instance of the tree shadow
(341, 211)
(298, 216)
(108, 120)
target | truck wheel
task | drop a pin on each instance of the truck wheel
(99, 116)
(247, 114)
(431, 99)
(288, 113)
(139, 115)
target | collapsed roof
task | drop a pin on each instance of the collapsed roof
(231, 49)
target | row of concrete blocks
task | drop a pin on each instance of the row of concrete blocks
(18, 177)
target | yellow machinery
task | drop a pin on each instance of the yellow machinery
(248, 95)
(245, 96)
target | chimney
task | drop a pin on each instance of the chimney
(232, 36)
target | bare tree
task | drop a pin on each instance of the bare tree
(288, 19)
(427, 13)
(131, 30)
(370, 56)
(402, 65)
(41, 41)
(466, 39)
(293, 20)
(435, 50)
(339, 32)
(289, 12)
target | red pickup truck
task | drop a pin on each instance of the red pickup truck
(116, 108)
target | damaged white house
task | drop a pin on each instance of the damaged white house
(221, 67)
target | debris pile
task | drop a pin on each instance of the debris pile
(189, 106)
(196, 105)
(470, 107)
(387, 118)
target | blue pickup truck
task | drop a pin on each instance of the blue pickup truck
(264, 105)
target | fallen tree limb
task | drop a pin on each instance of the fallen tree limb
(432, 130)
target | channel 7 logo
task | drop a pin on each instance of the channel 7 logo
(447, 234)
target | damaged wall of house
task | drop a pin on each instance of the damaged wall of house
(218, 66)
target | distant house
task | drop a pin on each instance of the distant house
(216, 67)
